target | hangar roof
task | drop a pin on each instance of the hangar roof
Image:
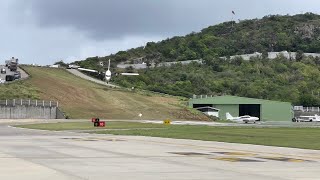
(232, 100)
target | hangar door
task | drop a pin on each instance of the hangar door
(201, 105)
(250, 109)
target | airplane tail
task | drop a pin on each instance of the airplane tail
(229, 116)
(109, 65)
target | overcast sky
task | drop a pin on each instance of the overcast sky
(45, 31)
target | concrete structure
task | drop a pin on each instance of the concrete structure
(238, 106)
(27, 109)
(144, 65)
(273, 55)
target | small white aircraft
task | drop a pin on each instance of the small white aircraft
(107, 74)
(244, 119)
(314, 118)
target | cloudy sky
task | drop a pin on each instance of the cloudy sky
(44, 31)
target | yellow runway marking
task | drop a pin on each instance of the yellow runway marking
(284, 159)
(235, 153)
(234, 159)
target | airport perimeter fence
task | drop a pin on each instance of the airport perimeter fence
(29, 102)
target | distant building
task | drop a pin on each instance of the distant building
(266, 110)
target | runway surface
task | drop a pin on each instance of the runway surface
(84, 76)
(33, 154)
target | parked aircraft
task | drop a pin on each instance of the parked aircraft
(244, 119)
(107, 74)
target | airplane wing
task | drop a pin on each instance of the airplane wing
(88, 70)
(130, 74)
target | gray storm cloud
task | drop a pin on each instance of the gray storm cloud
(43, 31)
(103, 19)
(106, 19)
(112, 19)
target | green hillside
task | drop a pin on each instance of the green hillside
(80, 98)
(271, 33)
(296, 81)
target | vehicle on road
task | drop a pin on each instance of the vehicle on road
(3, 71)
(244, 119)
(13, 66)
(314, 118)
(9, 78)
(17, 75)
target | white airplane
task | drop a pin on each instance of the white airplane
(107, 74)
(244, 119)
(314, 118)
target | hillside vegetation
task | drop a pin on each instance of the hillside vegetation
(280, 79)
(296, 81)
(83, 99)
(271, 33)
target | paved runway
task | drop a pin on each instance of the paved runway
(84, 76)
(32, 154)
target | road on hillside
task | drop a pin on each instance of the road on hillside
(80, 74)
(24, 75)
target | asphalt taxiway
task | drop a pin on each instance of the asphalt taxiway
(33, 154)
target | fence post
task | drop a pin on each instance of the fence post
(6, 102)
(36, 102)
(29, 102)
(50, 103)
(21, 102)
(43, 103)
(57, 104)
(14, 102)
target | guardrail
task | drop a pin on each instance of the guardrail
(29, 102)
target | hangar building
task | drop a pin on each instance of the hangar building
(266, 110)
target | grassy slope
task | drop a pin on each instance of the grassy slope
(18, 90)
(307, 138)
(84, 99)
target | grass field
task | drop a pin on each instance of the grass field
(80, 98)
(89, 126)
(306, 138)
(19, 90)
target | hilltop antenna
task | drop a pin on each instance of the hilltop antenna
(233, 17)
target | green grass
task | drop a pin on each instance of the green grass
(306, 138)
(89, 126)
(19, 90)
(80, 98)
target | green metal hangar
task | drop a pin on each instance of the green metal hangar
(239, 106)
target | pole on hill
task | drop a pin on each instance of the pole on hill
(232, 18)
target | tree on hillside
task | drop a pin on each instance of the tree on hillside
(299, 55)
(61, 63)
